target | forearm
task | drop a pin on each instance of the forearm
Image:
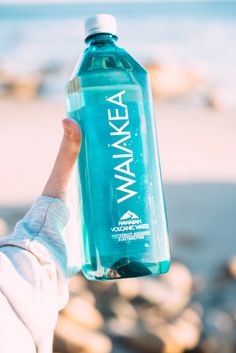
(33, 267)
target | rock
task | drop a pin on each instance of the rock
(121, 327)
(179, 278)
(77, 284)
(231, 267)
(142, 341)
(150, 317)
(3, 227)
(191, 316)
(51, 68)
(21, 85)
(124, 309)
(219, 332)
(170, 81)
(209, 345)
(88, 296)
(181, 334)
(71, 338)
(27, 87)
(234, 315)
(198, 308)
(100, 287)
(170, 293)
(199, 283)
(78, 287)
(218, 322)
(128, 288)
(216, 101)
(223, 321)
(214, 344)
(83, 313)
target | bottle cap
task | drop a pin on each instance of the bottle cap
(101, 23)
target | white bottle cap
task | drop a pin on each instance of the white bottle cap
(101, 23)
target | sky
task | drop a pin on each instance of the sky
(8, 2)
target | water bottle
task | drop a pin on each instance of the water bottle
(123, 219)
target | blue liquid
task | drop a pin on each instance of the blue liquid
(124, 228)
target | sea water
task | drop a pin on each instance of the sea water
(197, 35)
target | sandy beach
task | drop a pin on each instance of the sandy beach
(196, 145)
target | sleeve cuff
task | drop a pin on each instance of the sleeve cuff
(43, 223)
(47, 213)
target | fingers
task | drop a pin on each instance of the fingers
(72, 135)
(65, 161)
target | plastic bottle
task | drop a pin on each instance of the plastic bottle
(124, 229)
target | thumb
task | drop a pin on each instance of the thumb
(65, 161)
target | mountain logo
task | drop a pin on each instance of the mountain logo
(129, 215)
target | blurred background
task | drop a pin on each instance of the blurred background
(189, 49)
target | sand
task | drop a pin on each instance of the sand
(196, 145)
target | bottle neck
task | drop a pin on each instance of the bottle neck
(99, 38)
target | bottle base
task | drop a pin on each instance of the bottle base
(126, 268)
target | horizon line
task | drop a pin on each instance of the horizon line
(84, 2)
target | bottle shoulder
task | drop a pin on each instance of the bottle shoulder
(104, 61)
(104, 68)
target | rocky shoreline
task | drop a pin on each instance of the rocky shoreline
(174, 313)
(170, 83)
(160, 314)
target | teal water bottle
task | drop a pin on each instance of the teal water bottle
(123, 220)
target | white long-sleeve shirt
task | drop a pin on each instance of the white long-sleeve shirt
(33, 285)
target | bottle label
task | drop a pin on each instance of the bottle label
(118, 117)
(130, 227)
(117, 168)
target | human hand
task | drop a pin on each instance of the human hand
(70, 146)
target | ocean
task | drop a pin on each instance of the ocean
(199, 35)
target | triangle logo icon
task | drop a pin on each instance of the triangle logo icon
(129, 215)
